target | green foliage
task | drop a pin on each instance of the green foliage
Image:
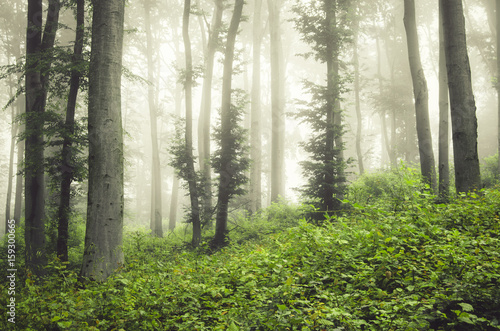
(322, 25)
(490, 175)
(276, 218)
(310, 21)
(393, 189)
(321, 161)
(180, 156)
(230, 160)
(421, 266)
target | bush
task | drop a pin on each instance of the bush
(489, 171)
(426, 266)
(391, 188)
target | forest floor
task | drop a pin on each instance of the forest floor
(402, 262)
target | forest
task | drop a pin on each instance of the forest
(250, 165)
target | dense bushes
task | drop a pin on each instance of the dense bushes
(406, 265)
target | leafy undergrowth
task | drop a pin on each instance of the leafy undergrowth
(421, 267)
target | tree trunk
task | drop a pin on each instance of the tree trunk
(156, 210)
(172, 218)
(34, 146)
(331, 86)
(255, 114)
(357, 90)
(193, 189)
(13, 134)
(104, 233)
(13, 137)
(463, 106)
(224, 193)
(67, 155)
(278, 118)
(18, 201)
(386, 144)
(498, 76)
(206, 109)
(444, 168)
(420, 92)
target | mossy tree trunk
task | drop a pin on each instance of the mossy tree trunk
(104, 233)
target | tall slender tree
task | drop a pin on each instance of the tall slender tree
(387, 147)
(172, 217)
(67, 149)
(228, 165)
(462, 103)
(37, 57)
(15, 107)
(357, 86)
(255, 113)
(498, 76)
(156, 180)
(277, 102)
(206, 108)
(321, 23)
(188, 88)
(421, 95)
(444, 110)
(104, 232)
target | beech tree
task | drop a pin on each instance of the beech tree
(104, 232)
(38, 62)
(156, 179)
(444, 109)
(462, 103)
(420, 92)
(255, 113)
(277, 103)
(357, 85)
(67, 166)
(498, 77)
(229, 161)
(206, 108)
(191, 176)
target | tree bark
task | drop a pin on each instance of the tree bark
(385, 141)
(278, 117)
(357, 90)
(67, 155)
(255, 114)
(156, 201)
(444, 108)
(206, 109)
(224, 193)
(498, 76)
(193, 189)
(172, 218)
(420, 92)
(463, 106)
(15, 109)
(332, 95)
(36, 93)
(18, 201)
(13, 135)
(104, 233)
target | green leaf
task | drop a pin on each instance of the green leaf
(282, 307)
(233, 327)
(64, 325)
(466, 306)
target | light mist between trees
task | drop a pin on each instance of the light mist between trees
(159, 115)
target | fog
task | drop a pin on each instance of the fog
(385, 90)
